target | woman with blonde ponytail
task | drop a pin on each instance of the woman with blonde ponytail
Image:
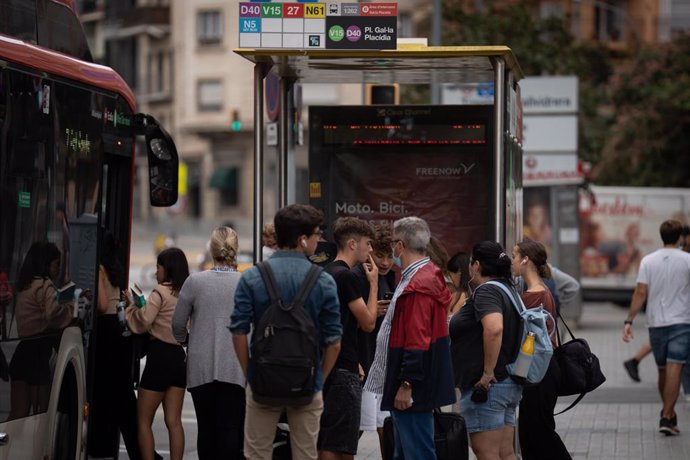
(536, 426)
(214, 376)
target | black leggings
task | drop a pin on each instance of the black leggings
(536, 425)
(220, 408)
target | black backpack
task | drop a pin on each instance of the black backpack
(285, 354)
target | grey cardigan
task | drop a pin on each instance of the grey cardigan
(207, 298)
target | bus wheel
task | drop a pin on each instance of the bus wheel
(66, 418)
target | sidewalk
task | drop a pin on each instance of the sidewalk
(620, 419)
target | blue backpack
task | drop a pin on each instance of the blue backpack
(533, 320)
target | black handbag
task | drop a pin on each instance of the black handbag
(579, 367)
(450, 437)
(140, 344)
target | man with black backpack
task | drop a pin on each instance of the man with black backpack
(293, 309)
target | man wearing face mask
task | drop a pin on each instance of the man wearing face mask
(412, 367)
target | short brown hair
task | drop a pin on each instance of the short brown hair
(345, 228)
(670, 231)
(383, 239)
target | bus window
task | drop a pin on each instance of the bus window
(50, 176)
(60, 30)
(18, 19)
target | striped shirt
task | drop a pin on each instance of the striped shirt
(377, 373)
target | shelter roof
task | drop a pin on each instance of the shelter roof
(409, 64)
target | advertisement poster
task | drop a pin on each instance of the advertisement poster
(621, 227)
(537, 216)
(387, 169)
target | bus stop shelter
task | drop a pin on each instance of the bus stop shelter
(406, 65)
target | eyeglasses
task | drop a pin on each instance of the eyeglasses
(318, 233)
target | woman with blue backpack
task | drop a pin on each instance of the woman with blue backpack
(536, 425)
(485, 338)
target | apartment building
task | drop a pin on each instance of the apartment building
(133, 37)
(177, 56)
(620, 24)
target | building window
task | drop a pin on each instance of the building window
(551, 10)
(405, 25)
(209, 27)
(225, 179)
(210, 96)
(610, 20)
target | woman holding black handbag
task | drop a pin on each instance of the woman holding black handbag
(536, 425)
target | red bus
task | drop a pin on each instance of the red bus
(67, 147)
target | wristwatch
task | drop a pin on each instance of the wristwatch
(627, 321)
(405, 385)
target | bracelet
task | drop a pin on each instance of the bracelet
(627, 321)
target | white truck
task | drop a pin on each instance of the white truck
(618, 228)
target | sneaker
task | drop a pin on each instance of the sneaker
(667, 426)
(631, 366)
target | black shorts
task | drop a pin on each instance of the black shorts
(165, 367)
(342, 405)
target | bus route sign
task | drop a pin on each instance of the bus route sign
(313, 25)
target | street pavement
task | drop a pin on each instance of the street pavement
(617, 421)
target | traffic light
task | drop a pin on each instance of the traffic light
(235, 123)
(382, 94)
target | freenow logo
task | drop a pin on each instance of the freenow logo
(461, 170)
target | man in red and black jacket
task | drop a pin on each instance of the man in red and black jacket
(419, 372)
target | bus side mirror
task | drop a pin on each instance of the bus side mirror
(163, 161)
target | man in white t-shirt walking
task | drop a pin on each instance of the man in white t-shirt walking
(664, 282)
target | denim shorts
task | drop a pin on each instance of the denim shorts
(670, 343)
(497, 412)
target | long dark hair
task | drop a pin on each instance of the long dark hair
(493, 260)
(37, 263)
(110, 259)
(174, 262)
(459, 263)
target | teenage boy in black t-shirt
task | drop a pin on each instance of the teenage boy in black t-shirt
(338, 436)
(372, 417)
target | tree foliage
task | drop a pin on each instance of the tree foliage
(543, 46)
(649, 142)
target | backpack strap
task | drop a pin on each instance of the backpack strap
(519, 306)
(301, 297)
(573, 404)
(269, 281)
(558, 337)
(558, 334)
(307, 285)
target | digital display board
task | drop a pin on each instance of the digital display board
(381, 163)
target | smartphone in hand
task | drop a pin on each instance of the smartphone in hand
(479, 395)
(388, 296)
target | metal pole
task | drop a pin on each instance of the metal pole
(436, 41)
(260, 71)
(284, 127)
(499, 154)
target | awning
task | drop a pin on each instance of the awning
(224, 178)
